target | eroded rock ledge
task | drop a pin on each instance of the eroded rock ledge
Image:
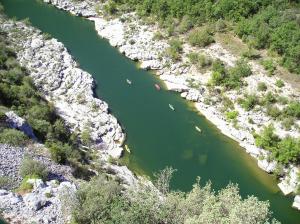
(64, 84)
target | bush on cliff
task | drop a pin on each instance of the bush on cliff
(102, 200)
(200, 38)
(13, 137)
(18, 93)
(273, 25)
(284, 150)
(31, 167)
(175, 49)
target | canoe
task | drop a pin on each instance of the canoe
(127, 149)
(171, 107)
(128, 81)
(198, 129)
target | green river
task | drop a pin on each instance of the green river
(157, 136)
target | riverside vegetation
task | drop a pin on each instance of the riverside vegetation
(262, 24)
(103, 199)
(19, 94)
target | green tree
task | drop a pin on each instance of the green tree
(267, 139)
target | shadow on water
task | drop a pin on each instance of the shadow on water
(157, 136)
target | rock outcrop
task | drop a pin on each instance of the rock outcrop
(44, 204)
(14, 121)
(69, 88)
(11, 159)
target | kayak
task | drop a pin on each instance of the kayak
(171, 107)
(198, 129)
(127, 149)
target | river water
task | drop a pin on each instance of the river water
(158, 137)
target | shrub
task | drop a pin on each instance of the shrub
(217, 78)
(4, 182)
(131, 41)
(25, 187)
(102, 201)
(261, 86)
(204, 61)
(40, 127)
(251, 54)
(249, 102)
(200, 38)
(288, 150)
(269, 66)
(279, 83)
(59, 151)
(175, 49)
(293, 109)
(86, 136)
(218, 66)
(269, 98)
(227, 103)
(13, 137)
(267, 139)
(158, 36)
(185, 25)
(199, 60)
(231, 115)
(241, 69)
(193, 57)
(110, 7)
(273, 111)
(233, 77)
(220, 25)
(60, 132)
(30, 167)
(288, 122)
(82, 171)
(97, 201)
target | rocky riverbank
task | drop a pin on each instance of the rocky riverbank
(64, 84)
(70, 90)
(136, 40)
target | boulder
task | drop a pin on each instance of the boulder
(14, 121)
(296, 203)
(266, 165)
(34, 203)
(37, 43)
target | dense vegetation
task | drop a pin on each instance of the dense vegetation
(19, 94)
(103, 201)
(282, 150)
(274, 25)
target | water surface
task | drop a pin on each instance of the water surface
(157, 136)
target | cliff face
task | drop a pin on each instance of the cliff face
(63, 83)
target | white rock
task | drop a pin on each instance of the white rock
(296, 203)
(37, 43)
(266, 165)
(14, 121)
